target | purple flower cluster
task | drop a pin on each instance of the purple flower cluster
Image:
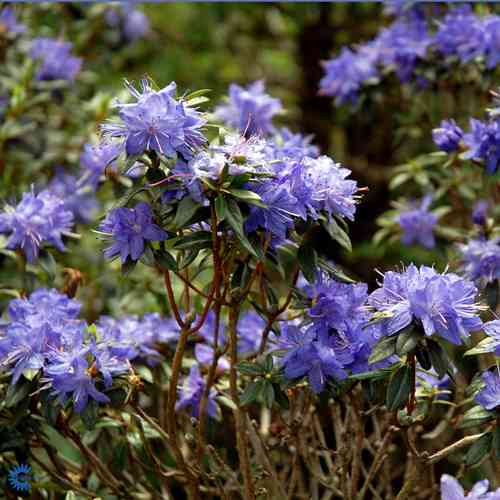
(443, 304)
(480, 212)
(451, 489)
(55, 58)
(346, 73)
(95, 159)
(133, 23)
(37, 219)
(460, 35)
(157, 122)
(249, 110)
(9, 22)
(447, 136)
(417, 224)
(191, 392)
(78, 199)
(489, 396)
(336, 339)
(492, 330)
(250, 328)
(134, 338)
(129, 229)
(45, 335)
(481, 259)
(483, 143)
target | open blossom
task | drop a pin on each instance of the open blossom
(249, 110)
(285, 144)
(483, 142)
(56, 60)
(460, 34)
(191, 393)
(157, 122)
(322, 185)
(78, 199)
(37, 219)
(278, 214)
(346, 73)
(9, 22)
(95, 158)
(403, 43)
(444, 304)
(306, 355)
(417, 224)
(480, 212)
(489, 396)
(451, 489)
(129, 229)
(447, 136)
(481, 259)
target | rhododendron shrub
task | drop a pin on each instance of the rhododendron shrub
(176, 327)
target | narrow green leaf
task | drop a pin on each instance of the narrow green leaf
(185, 211)
(220, 207)
(308, 262)
(439, 358)
(199, 240)
(479, 449)
(251, 392)
(235, 220)
(337, 234)
(248, 368)
(267, 394)
(247, 196)
(165, 259)
(407, 340)
(399, 388)
(385, 348)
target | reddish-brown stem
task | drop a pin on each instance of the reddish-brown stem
(239, 414)
(171, 298)
(412, 401)
(192, 480)
(275, 315)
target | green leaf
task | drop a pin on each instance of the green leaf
(235, 220)
(128, 266)
(479, 449)
(475, 416)
(220, 207)
(423, 358)
(439, 359)
(406, 340)
(165, 259)
(308, 262)
(89, 415)
(49, 265)
(337, 234)
(16, 393)
(247, 196)
(198, 240)
(185, 211)
(496, 442)
(251, 392)
(486, 345)
(267, 394)
(385, 348)
(399, 388)
(492, 294)
(248, 368)
(268, 363)
(281, 397)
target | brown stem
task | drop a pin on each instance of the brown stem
(171, 298)
(413, 367)
(239, 414)
(191, 478)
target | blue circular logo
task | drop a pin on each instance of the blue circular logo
(20, 477)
